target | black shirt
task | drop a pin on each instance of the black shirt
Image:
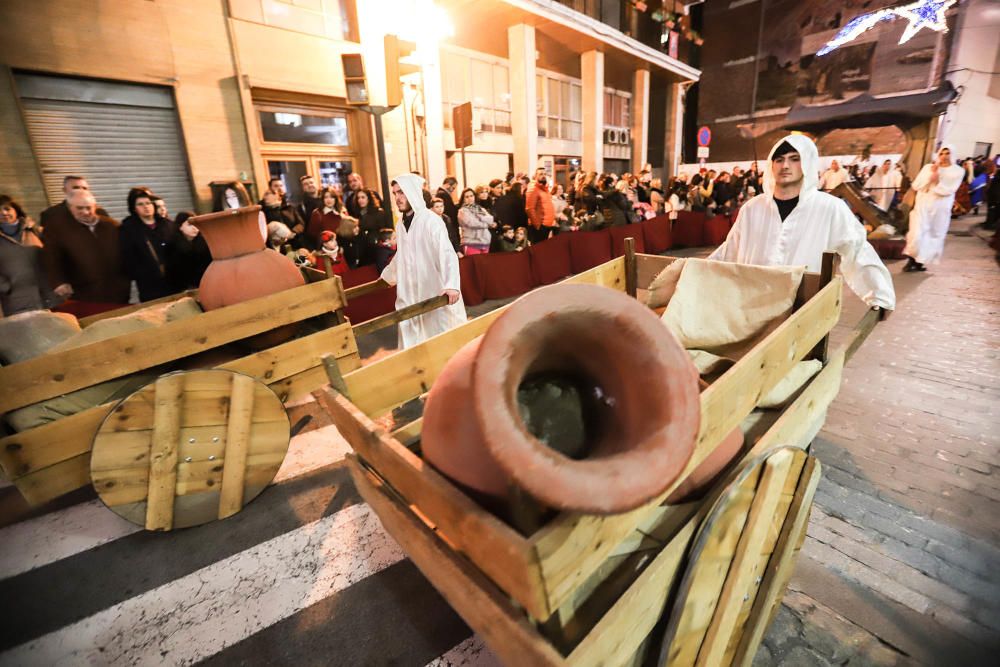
(407, 219)
(786, 206)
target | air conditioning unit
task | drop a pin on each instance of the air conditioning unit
(608, 136)
(626, 137)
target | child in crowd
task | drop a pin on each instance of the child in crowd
(385, 249)
(521, 239)
(507, 242)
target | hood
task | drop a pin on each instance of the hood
(810, 164)
(413, 187)
(950, 147)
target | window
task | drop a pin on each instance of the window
(296, 127)
(484, 83)
(560, 108)
(616, 109)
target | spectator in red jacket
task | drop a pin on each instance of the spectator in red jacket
(538, 205)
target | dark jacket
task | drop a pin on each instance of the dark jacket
(308, 205)
(89, 261)
(144, 255)
(509, 210)
(450, 207)
(60, 213)
(370, 221)
(187, 261)
(23, 285)
(615, 208)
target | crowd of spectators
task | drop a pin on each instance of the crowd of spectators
(77, 251)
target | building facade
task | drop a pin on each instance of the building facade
(180, 94)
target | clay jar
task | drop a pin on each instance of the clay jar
(242, 267)
(641, 434)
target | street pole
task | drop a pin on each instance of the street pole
(383, 169)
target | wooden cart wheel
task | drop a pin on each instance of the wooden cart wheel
(740, 561)
(189, 448)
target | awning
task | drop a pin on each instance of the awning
(861, 111)
(867, 111)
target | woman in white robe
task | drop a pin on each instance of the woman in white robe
(930, 218)
(424, 266)
(818, 223)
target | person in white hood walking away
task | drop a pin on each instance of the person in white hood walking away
(792, 223)
(930, 218)
(424, 266)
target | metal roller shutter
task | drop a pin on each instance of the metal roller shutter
(115, 135)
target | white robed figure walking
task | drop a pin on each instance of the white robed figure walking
(883, 185)
(424, 266)
(930, 218)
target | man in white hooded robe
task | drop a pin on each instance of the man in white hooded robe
(935, 185)
(792, 223)
(425, 265)
(882, 185)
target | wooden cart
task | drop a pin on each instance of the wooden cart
(591, 590)
(50, 460)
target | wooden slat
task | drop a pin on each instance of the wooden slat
(780, 566)
(623, 629)
(631, 270)
(296, 356)
(241, 413)
(476, 599)
(649, 266)
(830, 263)
(723, 406)
(860, 333)
(163, 453)
(494, 546)
(366, 288)
(61, 372)
(85, 322)
(401, 315)
(745, 560)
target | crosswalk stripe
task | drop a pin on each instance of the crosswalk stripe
(198, 615)
(65, 533)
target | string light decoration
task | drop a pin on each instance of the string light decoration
(921, 14)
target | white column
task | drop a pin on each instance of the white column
(430, 58)
(640, 119)
(592, 69)
(523, 97)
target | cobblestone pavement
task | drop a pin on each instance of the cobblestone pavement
(901, 564)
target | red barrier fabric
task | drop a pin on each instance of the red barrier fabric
(472, 284)
(369, 306)
(359, 276)
(550, 260)
(619, 234)
(656, 235)
(81, 309)
(588, 249)
(715, 230)
(505, 274)
(688, 230)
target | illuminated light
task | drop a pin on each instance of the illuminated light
(922, 14)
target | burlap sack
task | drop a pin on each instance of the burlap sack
(28, 335)
(84, 399)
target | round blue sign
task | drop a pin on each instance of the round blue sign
(704, 136)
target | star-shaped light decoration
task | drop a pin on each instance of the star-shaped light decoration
(920, 14)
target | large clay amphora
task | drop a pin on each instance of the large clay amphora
(242, 267)
(634, 385)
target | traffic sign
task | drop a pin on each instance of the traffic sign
(704, 136)
(703, 151)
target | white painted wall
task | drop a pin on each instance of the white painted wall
(976, 115)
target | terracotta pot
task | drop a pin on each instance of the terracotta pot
(641, 431)
(702, 476)
(242, 267)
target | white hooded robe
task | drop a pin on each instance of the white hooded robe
(819, 223)
(931, 214)
(424, 266)
(882, 187)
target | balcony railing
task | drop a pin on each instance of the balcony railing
(639, 25)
